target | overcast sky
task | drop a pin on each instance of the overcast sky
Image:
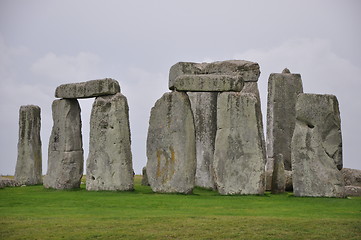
(47, 43)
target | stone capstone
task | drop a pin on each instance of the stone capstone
(248, 71)
(204, 108)
(239, 158)
(93, 88)
(145, 181)
(278, 175)
(351, 176)
(109, 164)
(29, 162)
(283, 89)
(65, 153)
(171, 148)
(317, 147)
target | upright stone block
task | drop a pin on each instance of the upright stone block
(283, 89)
(171, 149)
(145, 181)
(204, 108)
(109, 164)
(239, 158)
(317, 147)
(65, 154)
(248, 71)
(92, 88)
(278, 176)
(29, 163)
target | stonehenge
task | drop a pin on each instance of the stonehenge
(109, 165)
(29, 162)
(206, 132)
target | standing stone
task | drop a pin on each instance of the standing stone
(283, 89)
(109, 164)
(65, 154)
(29, 163)
(145, 181)
(278, 176)
(204, 108)
(317, 147)
(239, 158)
(171, 148)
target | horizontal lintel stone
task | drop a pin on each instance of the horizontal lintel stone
(92, 88)
(208, 83)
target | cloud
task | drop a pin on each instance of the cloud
(324, 72)
(64, 68)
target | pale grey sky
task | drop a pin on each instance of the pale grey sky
(47, 43)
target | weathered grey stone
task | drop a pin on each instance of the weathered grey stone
(353, 191)
(6, 182)
(288, 175)
(29, 163)
(248, 71)
(93, 88)
(239, 159)
(109, 164)
(278, 176)
(204, 108)
(352, 177)
(283, 89)
(145, 181)
(65, 154)
(317, 147)
(208, 83)
(171, 148)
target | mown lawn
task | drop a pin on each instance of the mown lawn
(38, 213)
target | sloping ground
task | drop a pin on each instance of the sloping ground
(38, 213)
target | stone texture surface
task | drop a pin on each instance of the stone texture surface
(109, 164)
(29, 162)
(288, 175)
(171, 148)
(317, 147)
(145, 181)
(204, 108)
(353, 191)
(92, 88)
(65, 153)
(283, 89)
(278, 175)
(6, 182)
(239, 158)
(351, 176)
(208, 83)
(249, 71)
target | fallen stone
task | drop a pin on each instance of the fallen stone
(351, 176)
(239, 159)
(278, 176)
(93, 88)
(145, 181)
(204, 108)
(109, 164)
(208, 83)
(171, 148)
(316, 147)
(29, 162)
(248, 71)
(353, 191)
(283, 89)
(6, 182)
(65, 154)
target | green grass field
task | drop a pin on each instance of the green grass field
(38, 213)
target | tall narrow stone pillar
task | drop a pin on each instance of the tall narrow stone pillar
(65, 159)
(29, 163)
(109, 164)
(204, 108)
(283, 89)
(239, 158)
